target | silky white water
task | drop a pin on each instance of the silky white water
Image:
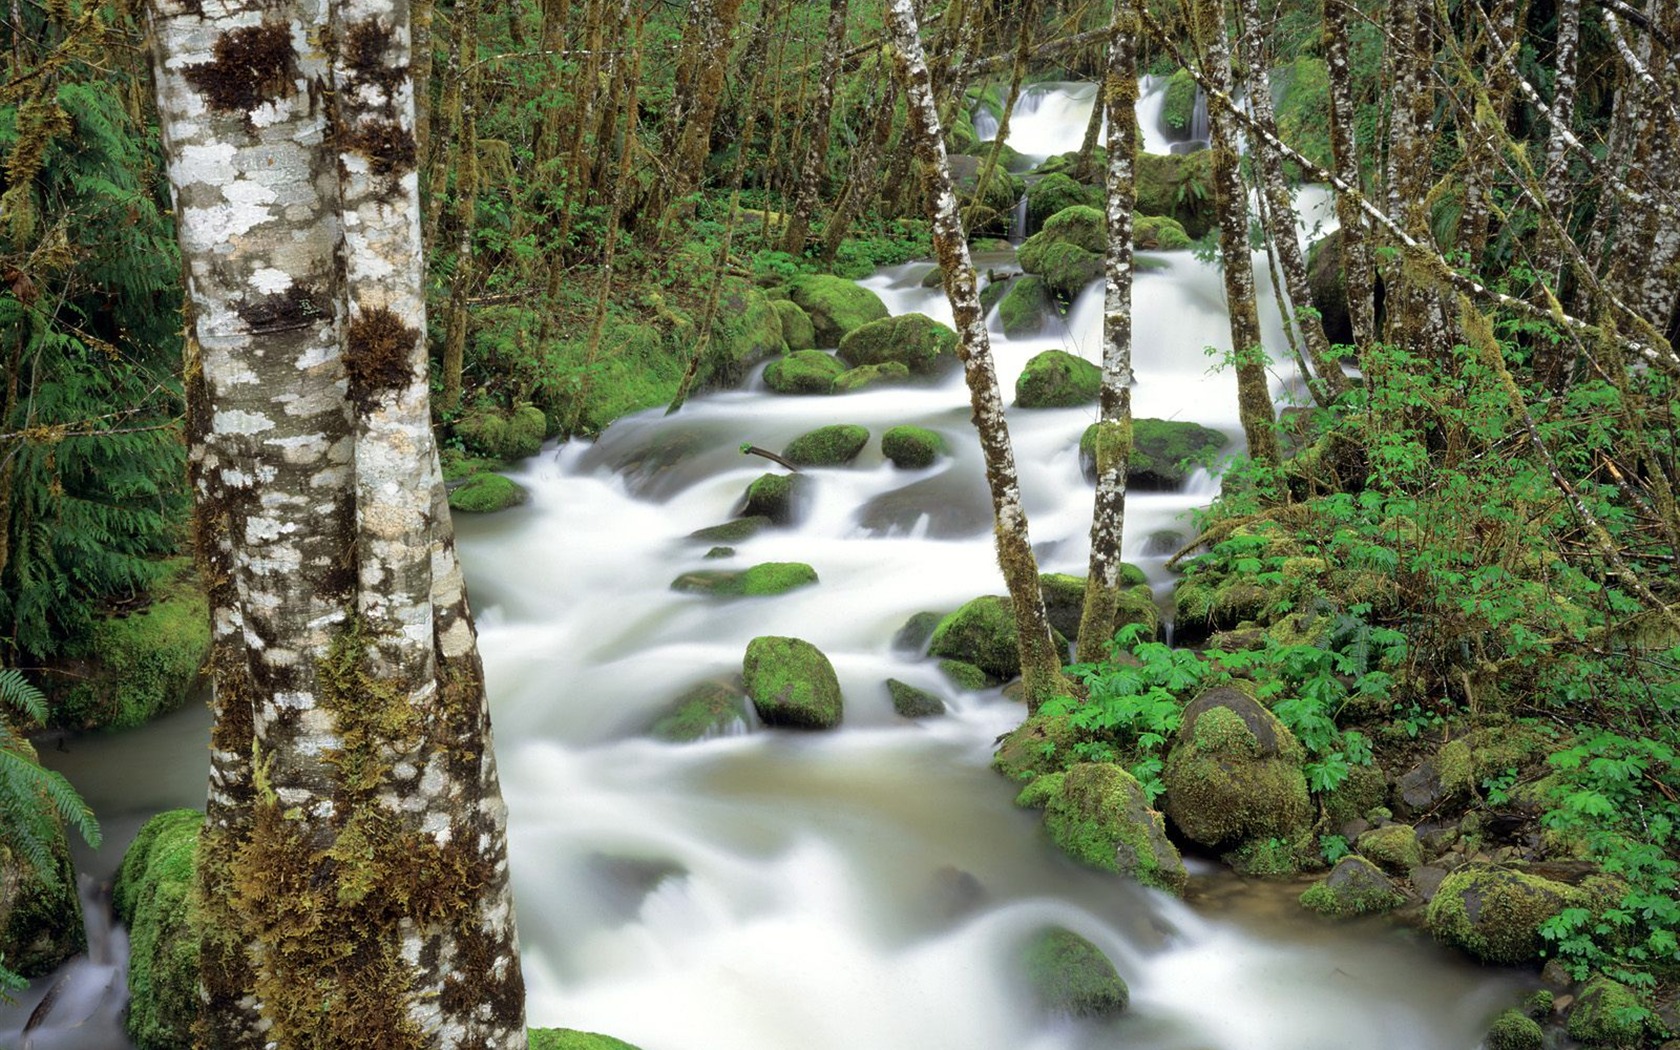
(869, 887)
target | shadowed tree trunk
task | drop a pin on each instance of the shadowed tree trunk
(1040, 664)
(371, 884)
(1356, 252)
(816, 146)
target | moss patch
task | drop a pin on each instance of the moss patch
(911, 702)
(1163, 452)
(982, 633)
(1159, 233)
(854, 379)
(746, 329)
(1179, 185)
(1494, 914)
(733, 531)
(803, 372)
(835, 305)
(829, 446)
(911, 447)
(1353, 887)
(153, 894)
(1234, 773)
(571, 1039)
(798, 333)
(1058, 379)
(769, 578)
(1608, 1013)
(487, 493)
(1514, 1030)
(916, 341)
(1055, 192)
(1024, 308)
(1071, 977)
(778, 497)
(503, 435)
(710, 709)
(1098, 814)
(791, 683)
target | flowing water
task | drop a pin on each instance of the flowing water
(869, 887)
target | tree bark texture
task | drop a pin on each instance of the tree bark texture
(370, 881)
(816, 146)
(1356, 252)
(1040, 663)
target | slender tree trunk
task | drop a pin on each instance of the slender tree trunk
(864, 185)
(1254, 397)
(420, 18)
(466, 218)
(697, 106)
(1017, 74)
(816, 146)
(1356, 255)
(1114, 430)
(1040, 663)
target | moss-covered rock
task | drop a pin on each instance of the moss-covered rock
(1178, 108)
(965, 675)
(912, 447)
(791, 683)
(982, 632)
(736, 531)
(1068, 252)
(1163, 453)
(709, 709)
(853, 379)
(153, 894)
(1071, 977)
(925, 346)
(759, 581)
(503, 435)
(1393, 846)
(1234, 772)
(1039, 745)
(486, 493)
(911, 702)
(913, 636)
(1065, 163)
(1302, 92)
(1513, 1030)
(1354, 887)
(1364, 788)
(1160, 233)
(835, 305)
(136, 666)
(1494, 914)
(993, 206)
(779, 497)
(1179, 185)
(1607, 1014)
(1058, 379)
(746, 330)
(1099, 814)
(1055, 192)
(798, 333)
(1064, 602)
(1024, 308)
(40, 911)
(803, 372)
(572, 1039)
(829, 446)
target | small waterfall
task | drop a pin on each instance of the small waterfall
(985, 124)
(1018, 221)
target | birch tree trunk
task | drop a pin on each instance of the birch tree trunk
(371, 885)
(1114, 429)
(1040, 663)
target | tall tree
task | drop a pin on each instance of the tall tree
(369, 878)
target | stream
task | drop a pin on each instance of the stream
(869, 887)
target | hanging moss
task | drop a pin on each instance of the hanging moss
(251, 65)
(379, 356)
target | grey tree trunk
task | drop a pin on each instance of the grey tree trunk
(371, 884)
(816, 145)
(1356, 253)
(1114, 429)
(1040, 663)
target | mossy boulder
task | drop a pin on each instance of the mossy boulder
(1393, 846)
(835, 305)
(1362, 789)
(803, 372)
(1179, 185)
(798, 333)
(709, 709)
(912, 702)
(1327, 285)
(1494, 914)
(486, 493)
(1234, 772)
(982, 633)
(746, 330)
(1178, 108)
(759, 581)
(853, 379)
(1055, 192)
(1098, 813)
(1071, 977)
(830, 446)
(965, 675)
(1067, 254)
(993, 206)
(1163, 452)
(1039, 745)
(1607, 1014)
(913, 636)
(1160, 233)
(1355, 886)
(912, 447)
(779, 497)
(153, 895)
(918, 342)
(1024, 308)
(1058, 379)
(733, 531)
(1064, 602)
(1066, 163)
(501, 434)
(791, 683)
(137, 665)
(40, 912)
(572, 1039)
(1513, 1030)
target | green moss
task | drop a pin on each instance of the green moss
(1179, 185)
(1393, 846)
(1055, 192)
(746, 329)
(1058, 379)
(1178, 109)
(1098, 814)
(1302, 92)
(736, 531)
(911, 447)
(1041, 745)
(1273, 857)
(1163, 451)
(1364, 788)
(1024, 308)
(853, 379)
(798, 333)
(1065, 268)
(791, 683)
(154, 895)
(709, 709)
(40, 916)
(912, 702)
(634, 366)
(759, 581)
(829, 446)
(1234, 774)
(835, 305)
(1159, 233)
(503, 435)
(571, 1039)
(776, 496)
(1071, 977)
(965, 675)
(982, 632)
(803, 372)
(1512, 1030)
(486, 494)
(916, 341)
(1607, 1014)
(135, 667)
(1353, 887)
(1079, 225)
(1494, 914)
